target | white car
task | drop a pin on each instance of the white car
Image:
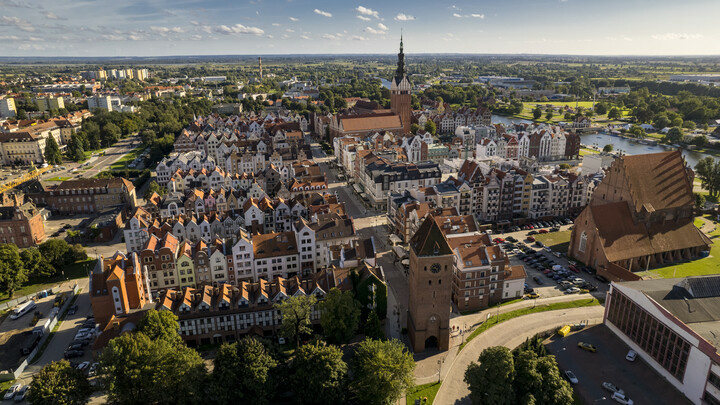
(612, 388)
(12, 391)
(571, 376)
(621, 398)
(631, 356)
(83, 366)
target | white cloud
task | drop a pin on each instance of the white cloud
(289, 30)
(474, 15)
(404, 17)
(293, 19)
(362, 17)
(456, 15)
(269, 36)
(381, 29)
(52, 16)
(304, 37)
(275, 24)
(238, 29)
(322, 13)
(358, 38)
(284, 36)
(330, 36)
(367, 11)
(17, 22)
(671, 36)
(113, 37)
(194, 23)
(166, 30)
(481, 16)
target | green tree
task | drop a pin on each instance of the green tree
(608, 148)
(538, 380)
(12, 272)
(491, 379)
(154, 187)
(148, 137)
(160, 372)
(55, 252)
(373, 327)
(414, 128)
(431, 127)
(340, 315)
(110, 133)
(661, 121)
(160, 325)
(295, 312)
(52, 151)
(677, 122)
(537, 113)
(601, 108)
(35, 263)
(76, 253)
(549, 115)
(382, 370)
(708, 171)
(674, 135)
(76, 150)
(59, 383)
(689, 125)
(243, 373)
(319, 375)
(614, 113)
(699, 201)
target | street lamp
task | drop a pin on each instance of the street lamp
(439, 367)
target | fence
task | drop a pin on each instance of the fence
(17, 301)
(15, 374)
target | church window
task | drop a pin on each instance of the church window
(583, 242)
(429, 282)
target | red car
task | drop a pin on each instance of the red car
(530, 239)
(543, 231)
(499, 240)
(573, 268)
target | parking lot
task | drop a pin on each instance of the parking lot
(57, 225)
(640, 383)
(549, 273)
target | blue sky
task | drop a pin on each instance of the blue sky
(191, 27)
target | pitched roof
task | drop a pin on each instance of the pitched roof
(370, 122)
(429, 239)
(658, 180)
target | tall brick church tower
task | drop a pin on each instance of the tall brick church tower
(400, 98)
(429, 279)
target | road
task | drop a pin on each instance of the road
(510, 334)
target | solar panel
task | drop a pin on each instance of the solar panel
(703, 287)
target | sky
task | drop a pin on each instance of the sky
(228, 27)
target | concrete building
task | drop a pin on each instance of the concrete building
(118, 287)
(7, 107)
(49, 103)
(22, 225)
(89, 195)
(673, 326)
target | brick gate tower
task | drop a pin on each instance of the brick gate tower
(430, 277)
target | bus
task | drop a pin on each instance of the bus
(23, 309)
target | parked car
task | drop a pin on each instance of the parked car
(612, 388)
(601, 278)
(554, 229)
(543, 231)
(22, 393)
(539, 244)
(622, 399)
(83, 366)
(93, 369)
(69, 354)
(587, 346)
(530, 239)
(631, 356)
(572, 290)
(10, 393)
(533, 295)
(538, 280)
(73, 309)
(76, 346)
(571, 377)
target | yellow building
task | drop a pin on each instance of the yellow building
(49, 103)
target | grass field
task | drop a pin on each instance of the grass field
(699, 267)
(127, 159)
(587, 151)
(58, 178)
(421, 391)
(528, 107)
(557, 241)
(527, 311)
(73, 271)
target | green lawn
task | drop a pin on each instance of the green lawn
(527, 311)
(59, 178)
(73, 271)
(699, 267)
(127, 159)
(421, 391)
(699, 222)
(557, 241)
(587, 151)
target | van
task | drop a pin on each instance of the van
(23, 309)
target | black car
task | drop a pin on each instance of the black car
(601, 278)
(80, 342)
(538, 280)
(554, 229)
(511, 239)
(69, 354)
(76, 346)
(539, 244)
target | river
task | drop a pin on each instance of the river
(618, 143)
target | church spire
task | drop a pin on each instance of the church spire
(400, 72)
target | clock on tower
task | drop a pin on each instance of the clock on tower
(429, 278)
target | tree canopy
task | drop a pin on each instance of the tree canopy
(295, 312)
(340, 315)
(160, 325)
(243, 373)
(318, 374)
(59, 383)
(382, 371)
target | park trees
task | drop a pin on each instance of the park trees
(35, 263)
(12, 271)
(295, 312)
(382, 371)
(608, 148)
(490, 380)
(318, 374)
(537, 113)
(160, 325)
(243, 373)
(135, 366)
(340, 315)
(52, 151)
(674, 135)
(601, 108)
(59, 383)
(373, 327)
(154, 187)
(614, 113)
(708, 171)
(431, 127)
